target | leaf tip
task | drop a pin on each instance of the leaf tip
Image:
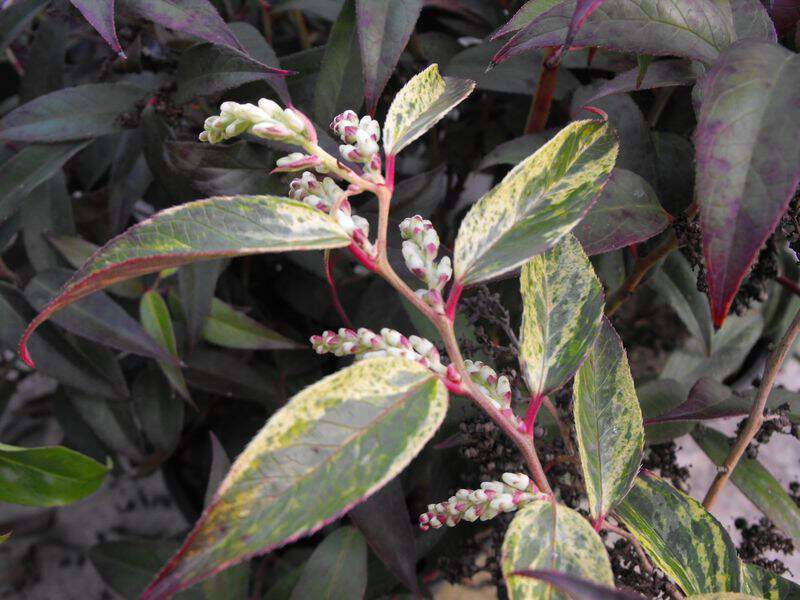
(597, 111)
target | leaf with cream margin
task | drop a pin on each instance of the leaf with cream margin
(201, 230)
(329, 448)
(766, 584)
(748, 159)
(540, 200)
(608, 422)
(562, 308)
(547, 535)
(683, 538)
(421, 103)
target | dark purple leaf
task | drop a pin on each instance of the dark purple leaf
(197, 283)
(785, 13)
(627, 212)
(696, 29)
(663, 73)
(16, 17)
(577, 588)
(527, 13)
(386, 525)
(384, 28)
(747, 157)
(195, 17)
(258, 48)
(583, 9)
(100, 14)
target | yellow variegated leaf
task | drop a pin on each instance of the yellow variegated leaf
(549, 536)
(537, 203)
(683, 538)
(563, 305)
(608, 422)
(329, 448)
(421, 103)
(766, 584)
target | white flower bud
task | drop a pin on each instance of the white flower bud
(518, 481)
(294, 121)
(269, 107)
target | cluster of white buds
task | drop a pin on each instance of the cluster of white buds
(493, 497)
(495, 387)
(267, 120)
(365, 343)
(420, 249)
(322, 195)
(360, 137)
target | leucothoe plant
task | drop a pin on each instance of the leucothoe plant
(340, 440)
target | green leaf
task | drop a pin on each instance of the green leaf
(75, 113)
(155, 318)
(111, 421)
(537, 203)
(546, 535)
(676, 283)
(627, 212)
(683, 539)
(97, 317)
(28, 169)
(337, 568)
(159, 412)
(47, 476)
(340, 85)
(201, 230)
(765, 584)
(755, 482)
(563, 305)
(232, 328)
(421, 104)
(330, 447)
(608, 421)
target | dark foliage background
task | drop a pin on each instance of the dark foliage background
(136, 152)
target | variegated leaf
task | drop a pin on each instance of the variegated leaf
(608, 421)
(563, 305)
(537, 203)
(766, 584)
(722, 596)
(421, 103)
(329, 448)
(683, 539)
(202, 230)
(546, 535)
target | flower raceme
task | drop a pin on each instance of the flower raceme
(360, 139)
(267, 120)
(494, 497)
(420, 249)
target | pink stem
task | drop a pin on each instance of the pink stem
(364, 258)
(533, 410)
(329, 264)
(598, 524)
(452, 301)
(390, 171)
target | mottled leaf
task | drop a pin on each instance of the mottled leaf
(384, 28)
(550, 536)
(336, 569)
(74, 113)
(47, 476)
(537, 203)
(421, 103)
(232, 328)
(578, 588)
(97, 317)
(28, 169)
(156, 320)
(100, 14)
(755, 482)
(680, 536)
(746, 173)
(659, 74)
(768, 585)
(676, 283)
(695, 29)
(608, 422)
(207, 70)
(201, 230)
(195, 17)
(15, 18)
(563, 305)
(328, 448)
(340, 85)
(627, 212)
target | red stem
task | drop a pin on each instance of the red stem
(790, 285)
(533, 410)
(452, 301)
(329, 265)
(389, 177)
(598, 524)
(364, 258)
(540, 108)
